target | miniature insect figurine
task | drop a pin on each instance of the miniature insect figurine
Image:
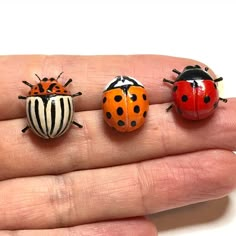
(125, 104)
(49, 107)
(195, 93)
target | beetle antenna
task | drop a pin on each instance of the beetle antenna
(59, 75)
(38, 77)
(176, 71)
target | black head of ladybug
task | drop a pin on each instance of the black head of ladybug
(193, 73)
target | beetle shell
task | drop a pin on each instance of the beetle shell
(49, 116)
(49, 108)
(125, 104)
(195, 93)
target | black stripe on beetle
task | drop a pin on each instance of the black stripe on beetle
(53, 116)
(61, 115)
(38, 117)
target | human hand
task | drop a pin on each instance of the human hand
(94, 180)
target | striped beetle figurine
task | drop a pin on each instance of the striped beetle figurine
(49, 107)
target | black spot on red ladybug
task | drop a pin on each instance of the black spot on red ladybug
(144, 97)
(184, 98)
(35, 93)
(57, 87)
(133, 97)
(207, 99)
(175, 88)
(136, 109)
(108, 115)
(119, 111)
(121, 123)
(118, 98)
(65, 91)
(104, 100)
(58, 91)
(144, 114)
(133, 123)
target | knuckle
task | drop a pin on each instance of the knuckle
(61, 199)
(143, 182)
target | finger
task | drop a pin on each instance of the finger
(90, 74)
(128, 227)
(119, 192)
(96, 145)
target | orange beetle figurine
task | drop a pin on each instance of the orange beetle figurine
(125, 104)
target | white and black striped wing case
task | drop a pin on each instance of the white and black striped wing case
(49, 117)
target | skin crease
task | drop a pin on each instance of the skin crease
(72, 182)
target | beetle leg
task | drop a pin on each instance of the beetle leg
(168, 81)
(170, 107)
(218, 79)
(76, 94)
(25, 129)
(77, 124)
(176, 71)
(21, 97)
(27, 83)
(68, 82)
(223, 100)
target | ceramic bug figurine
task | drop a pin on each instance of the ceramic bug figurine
(125, 104)
(195, 93)
(49, 107)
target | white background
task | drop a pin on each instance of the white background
(203, 30)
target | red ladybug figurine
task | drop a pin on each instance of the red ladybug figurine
(195, 93)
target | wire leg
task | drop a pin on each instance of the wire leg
(27, 83)
(218, 79)
(76, 94)
(21, 97)
(169, 108)
(68, 82)
(77, 124)
(223, 100)
(25, 129)
(168, 81)
(176, 71)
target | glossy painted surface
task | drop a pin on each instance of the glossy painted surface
(49, 107)
(195, 102)
(125, 104)
(49, 116)
(47, 87)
